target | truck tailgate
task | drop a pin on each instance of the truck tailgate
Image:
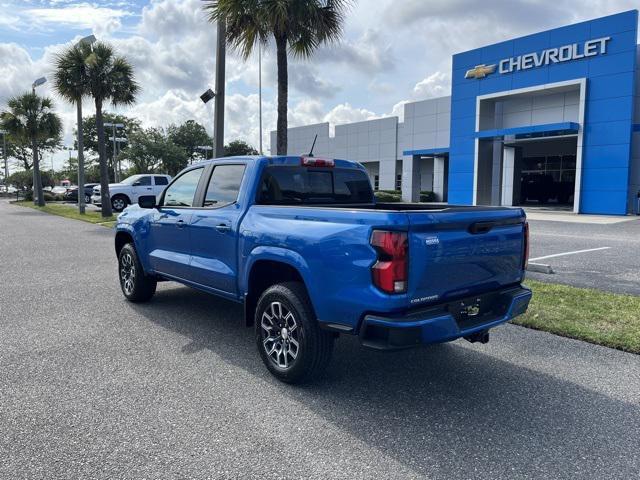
(457, 253)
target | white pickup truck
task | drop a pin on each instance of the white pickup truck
(130, 189)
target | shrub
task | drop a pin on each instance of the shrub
(48, 196)
(387, 197)
(427, 196)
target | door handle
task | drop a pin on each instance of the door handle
(180, 223)
(222, 228)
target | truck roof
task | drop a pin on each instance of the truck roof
(291, 160)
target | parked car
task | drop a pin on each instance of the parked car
(59, 191)
(128, 190)
(303, 245)
(72, 193)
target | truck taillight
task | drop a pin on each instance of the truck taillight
(526, 246)
(391, 270)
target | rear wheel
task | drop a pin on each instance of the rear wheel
(87, 199)
(136, 286)
(289, 339)
(119, 203)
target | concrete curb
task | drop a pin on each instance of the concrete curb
(540, 268)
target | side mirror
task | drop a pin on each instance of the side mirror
(136, 183)
(147, 201)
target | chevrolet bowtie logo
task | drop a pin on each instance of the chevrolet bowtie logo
(480, 71)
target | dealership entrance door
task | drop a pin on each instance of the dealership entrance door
(527, 171)
(545, 172)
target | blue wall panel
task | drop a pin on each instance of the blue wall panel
(608, 108)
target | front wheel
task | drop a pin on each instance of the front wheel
(289, 339)
(119, 203)
(136, 286)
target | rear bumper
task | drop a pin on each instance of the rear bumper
(443, 323)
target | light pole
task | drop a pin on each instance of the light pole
(260, 95)
(119, 140)
(88, 40)
(116, 173)
(206, 97)
(6, 157)
(34, 146)
(218, 112)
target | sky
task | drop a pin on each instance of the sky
(391, 52)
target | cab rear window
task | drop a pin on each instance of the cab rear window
(284, 185)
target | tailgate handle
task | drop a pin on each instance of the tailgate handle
(481, 227)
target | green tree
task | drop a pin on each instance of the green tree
(91, 169)
(90, 135)
(31, 117)
(151, 151)
(239, 148)
(189, 136)
(20, 149)
(299, 25)
(24, 179)
(109, 79)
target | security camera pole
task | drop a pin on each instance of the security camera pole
(218, 114)
(205, 97)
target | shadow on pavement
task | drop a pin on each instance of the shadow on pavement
(446, 408)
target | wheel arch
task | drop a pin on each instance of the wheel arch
(120, 194)
(269, 267)
(122, 238)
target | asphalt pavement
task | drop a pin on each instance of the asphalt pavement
(94, 387)
(608, 258)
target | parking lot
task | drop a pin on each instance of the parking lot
(95, 387)
(598, 255)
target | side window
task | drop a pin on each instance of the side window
(182, 192)
(224, 185)
(161, 180)
(144, 181)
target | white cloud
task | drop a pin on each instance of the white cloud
(102, 20)
(437, 84)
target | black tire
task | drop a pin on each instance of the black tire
(87, 200)
(136, 286)
(119, 203)
(315, 346)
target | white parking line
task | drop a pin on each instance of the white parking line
(569, 253)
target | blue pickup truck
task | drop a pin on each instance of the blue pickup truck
(302, 243)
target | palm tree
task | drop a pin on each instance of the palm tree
(71, 82)
(109, 78)
(30, 118)
(300, 25)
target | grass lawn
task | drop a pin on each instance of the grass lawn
(71, 211)
(604, 318)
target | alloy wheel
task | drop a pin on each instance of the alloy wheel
(280, 335)
(118, 204)
(127, 273)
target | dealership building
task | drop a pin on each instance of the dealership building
(550, 119)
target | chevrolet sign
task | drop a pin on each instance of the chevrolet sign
(566, 53)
